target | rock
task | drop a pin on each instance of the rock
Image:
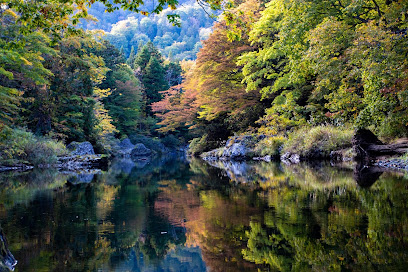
(342, 155)
(393, 163)
(141, 162)
(238, 148)
(213, 154)
(290, 158)
(73, 163)
(7, 260)
(364, 138)
(367, 147)
(80, 149)
(140, 150)
(125, 147)
(266, 158)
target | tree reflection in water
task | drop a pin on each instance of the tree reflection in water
(178, 216)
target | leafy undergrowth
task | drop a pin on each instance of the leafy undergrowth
(20, 146)
(271, 146)
(200, 145)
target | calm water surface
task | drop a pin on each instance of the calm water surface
(173, 215)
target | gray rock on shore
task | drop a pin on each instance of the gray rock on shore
(82, 156)
(81, 149)
(393, 163)
(238, 147)
(140, 150)
(290, 158)
(79, 162)
(125, 147)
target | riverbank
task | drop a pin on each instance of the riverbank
(399, 163)
(23, 151)
(314, 144)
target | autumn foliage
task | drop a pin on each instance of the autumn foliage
(293, 63)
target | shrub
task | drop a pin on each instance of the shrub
(318, 142)
(199, 145)
(170, 141)
(106, 144)
(21, 146)
(153, 144)
(149, 142)
(269, 146)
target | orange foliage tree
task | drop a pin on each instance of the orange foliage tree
(213, 90)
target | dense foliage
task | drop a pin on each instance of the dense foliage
(212, 98)
(71, 85)
(265, 67)
(299, 63)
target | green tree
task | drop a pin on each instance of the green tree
(144, 55)
(132, 56)
(331, 61)
(64, 107)
(21, 67)
(154, 82)
(124, 103)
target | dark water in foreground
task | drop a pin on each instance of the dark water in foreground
(171, 215)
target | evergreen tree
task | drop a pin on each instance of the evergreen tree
(124, 104)
(154, 81)
(173, 73)
(143, 56)
(131, 60)
(140, 45)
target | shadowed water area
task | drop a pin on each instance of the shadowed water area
(176, 215)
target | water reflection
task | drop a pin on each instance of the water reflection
(169, 215)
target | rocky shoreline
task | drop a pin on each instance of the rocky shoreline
(82, 157)
(364, 149)
(237, 149)
(244, 148)
(393, 163)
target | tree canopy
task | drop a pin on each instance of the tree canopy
(309, 62)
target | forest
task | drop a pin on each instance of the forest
(199, 73)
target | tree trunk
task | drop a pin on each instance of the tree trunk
(367, 146)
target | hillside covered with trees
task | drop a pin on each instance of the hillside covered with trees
(272, 68)
(176, 43)
(60, 83)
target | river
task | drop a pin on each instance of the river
(176, 215)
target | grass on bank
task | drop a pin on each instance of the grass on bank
(21, 146)
(318, 141)
(308, 142)
(271, 146)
